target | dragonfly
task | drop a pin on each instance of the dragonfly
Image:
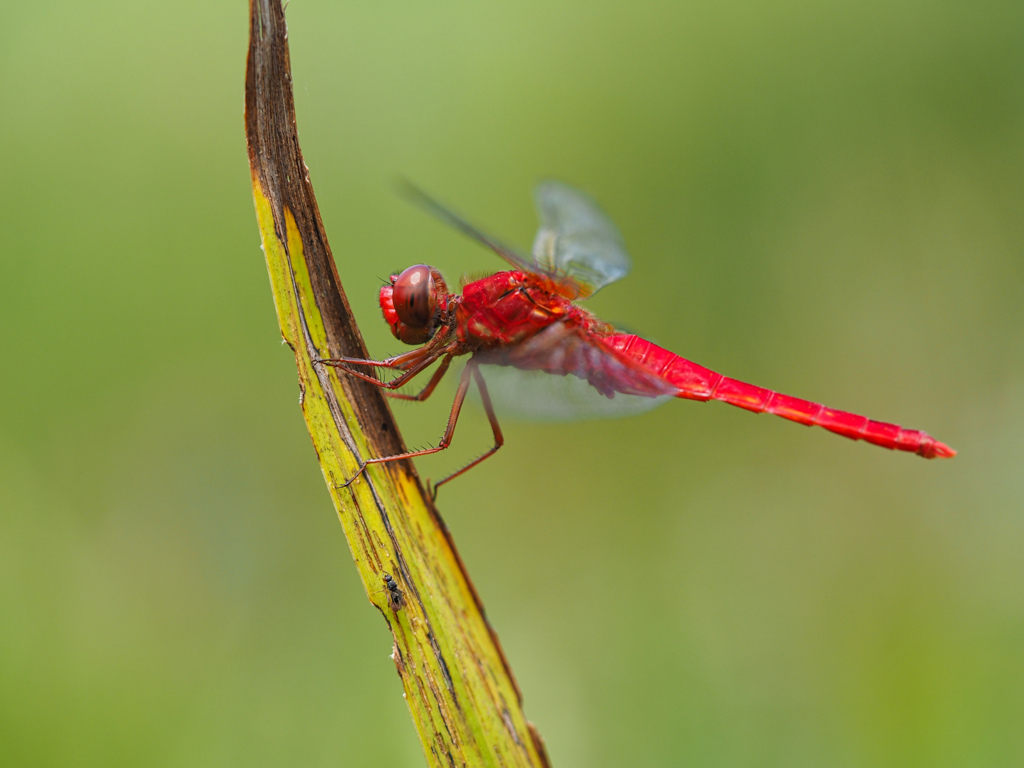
(528, 318)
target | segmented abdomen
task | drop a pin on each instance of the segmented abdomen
(695, 382)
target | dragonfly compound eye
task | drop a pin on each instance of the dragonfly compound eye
(414, 296)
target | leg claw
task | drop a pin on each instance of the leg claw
(347, 483)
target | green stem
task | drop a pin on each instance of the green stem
(463, 699)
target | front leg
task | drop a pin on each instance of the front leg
(440, 345)
(442, 369)
(412, 363)
(415, 362)
(401, 362)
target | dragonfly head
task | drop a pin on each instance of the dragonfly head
(415, 304)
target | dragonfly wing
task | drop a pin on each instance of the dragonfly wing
(537, 396)
(576, 240)
(447, 215)
(565, 373)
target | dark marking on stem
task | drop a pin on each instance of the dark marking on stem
(444, 667)
(444, 721)
(379, 544)
(396, 656)
(447, 751)
(539, 745)
(361, 528)
(422, 683)
(506, 718)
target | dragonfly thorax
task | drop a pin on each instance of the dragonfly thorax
(415, 304)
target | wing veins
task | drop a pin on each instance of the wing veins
(440, 211)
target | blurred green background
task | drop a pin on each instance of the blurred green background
(820, 198)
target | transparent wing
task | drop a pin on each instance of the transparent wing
(538, 396)
(576, 239)
(445, 214)
(565, 373)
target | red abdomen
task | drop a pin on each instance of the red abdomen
(694, 382)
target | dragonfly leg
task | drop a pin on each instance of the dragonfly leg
(499, 439)
(446, 439)
(402, 361)
(427, 390)
(412, 367)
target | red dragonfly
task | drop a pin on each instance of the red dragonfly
(527, 318)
